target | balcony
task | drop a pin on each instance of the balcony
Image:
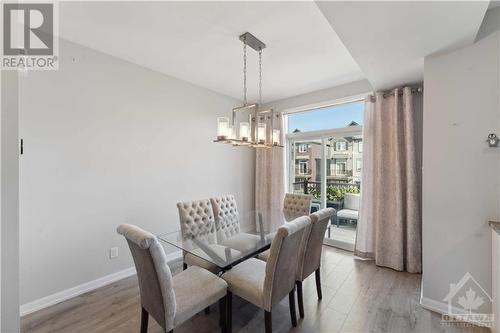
(339, 174)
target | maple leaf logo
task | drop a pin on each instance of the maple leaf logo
(470, 301)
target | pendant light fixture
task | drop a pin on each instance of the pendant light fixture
(259, 131)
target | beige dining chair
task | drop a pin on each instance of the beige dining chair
(197, 223)
(295, 205)
(265, 284)
(227, 224)
(310, 253)
(170, 300)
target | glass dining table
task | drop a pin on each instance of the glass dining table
(256, 232)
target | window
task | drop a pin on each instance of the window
(326, 118)
(323, 148)
(302, 168)
(340, 146)
(360, 146)
(340, 166)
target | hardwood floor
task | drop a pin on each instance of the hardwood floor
(357, 297)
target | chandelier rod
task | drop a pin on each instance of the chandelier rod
(245, 71)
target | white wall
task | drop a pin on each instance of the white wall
(9, 203)
(490, 24)
(108, 142)
(461, 174)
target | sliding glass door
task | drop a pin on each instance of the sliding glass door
(343, 185)
(327, 164)
(307, 169)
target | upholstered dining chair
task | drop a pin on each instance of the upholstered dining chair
(227, 224)
(170, 300)
(310, 252)
(295, 205)
(265, 284)
(197, 223)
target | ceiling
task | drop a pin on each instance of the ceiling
(198, 42)
(389, 40)
(311, 45)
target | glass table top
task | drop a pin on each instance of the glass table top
(224, 249)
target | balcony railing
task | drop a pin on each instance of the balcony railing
(307, 186)
(335, 190)
(334, 173)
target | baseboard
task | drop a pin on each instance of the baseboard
(435, 306)
(64, 295)
(442, 308)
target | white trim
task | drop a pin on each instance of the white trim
(314, 135)
(442, 308)
(338, 244)
(64, 295)
(338, 101)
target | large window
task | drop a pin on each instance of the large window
(332, 138)
(340, 146)
(339, 116)
(302, 167)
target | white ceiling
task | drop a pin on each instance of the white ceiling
(198, 42)
(389, 40)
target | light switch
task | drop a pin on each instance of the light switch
(113, 252)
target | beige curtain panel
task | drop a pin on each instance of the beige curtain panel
(389, 229)
(270, 180)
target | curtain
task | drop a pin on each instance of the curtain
(389, 227)
(270, 180)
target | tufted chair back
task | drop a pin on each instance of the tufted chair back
(197, 222)
(296, 205)
(281, 266)
(312, 243)
(153, 273)
(227, 221)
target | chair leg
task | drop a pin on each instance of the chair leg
(300, 299)
(291, 302)
(222, 314)
(144, 320)
(207, 310)
(229, 312)
(269, 322)
(318, 284)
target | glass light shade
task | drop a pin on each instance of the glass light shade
(276, 137)
(244, 131)
(261, 133)
(230, 132)
(222, 128)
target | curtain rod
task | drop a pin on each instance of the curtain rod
(400, 91)
(414, 90)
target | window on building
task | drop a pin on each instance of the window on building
(302, 167)
(340, 146)
(358, 165)
(360, 146)
(303, 148)
(340, 166)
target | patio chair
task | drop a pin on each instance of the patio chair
(350, 212)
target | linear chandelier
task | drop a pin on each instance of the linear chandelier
(259, 131)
